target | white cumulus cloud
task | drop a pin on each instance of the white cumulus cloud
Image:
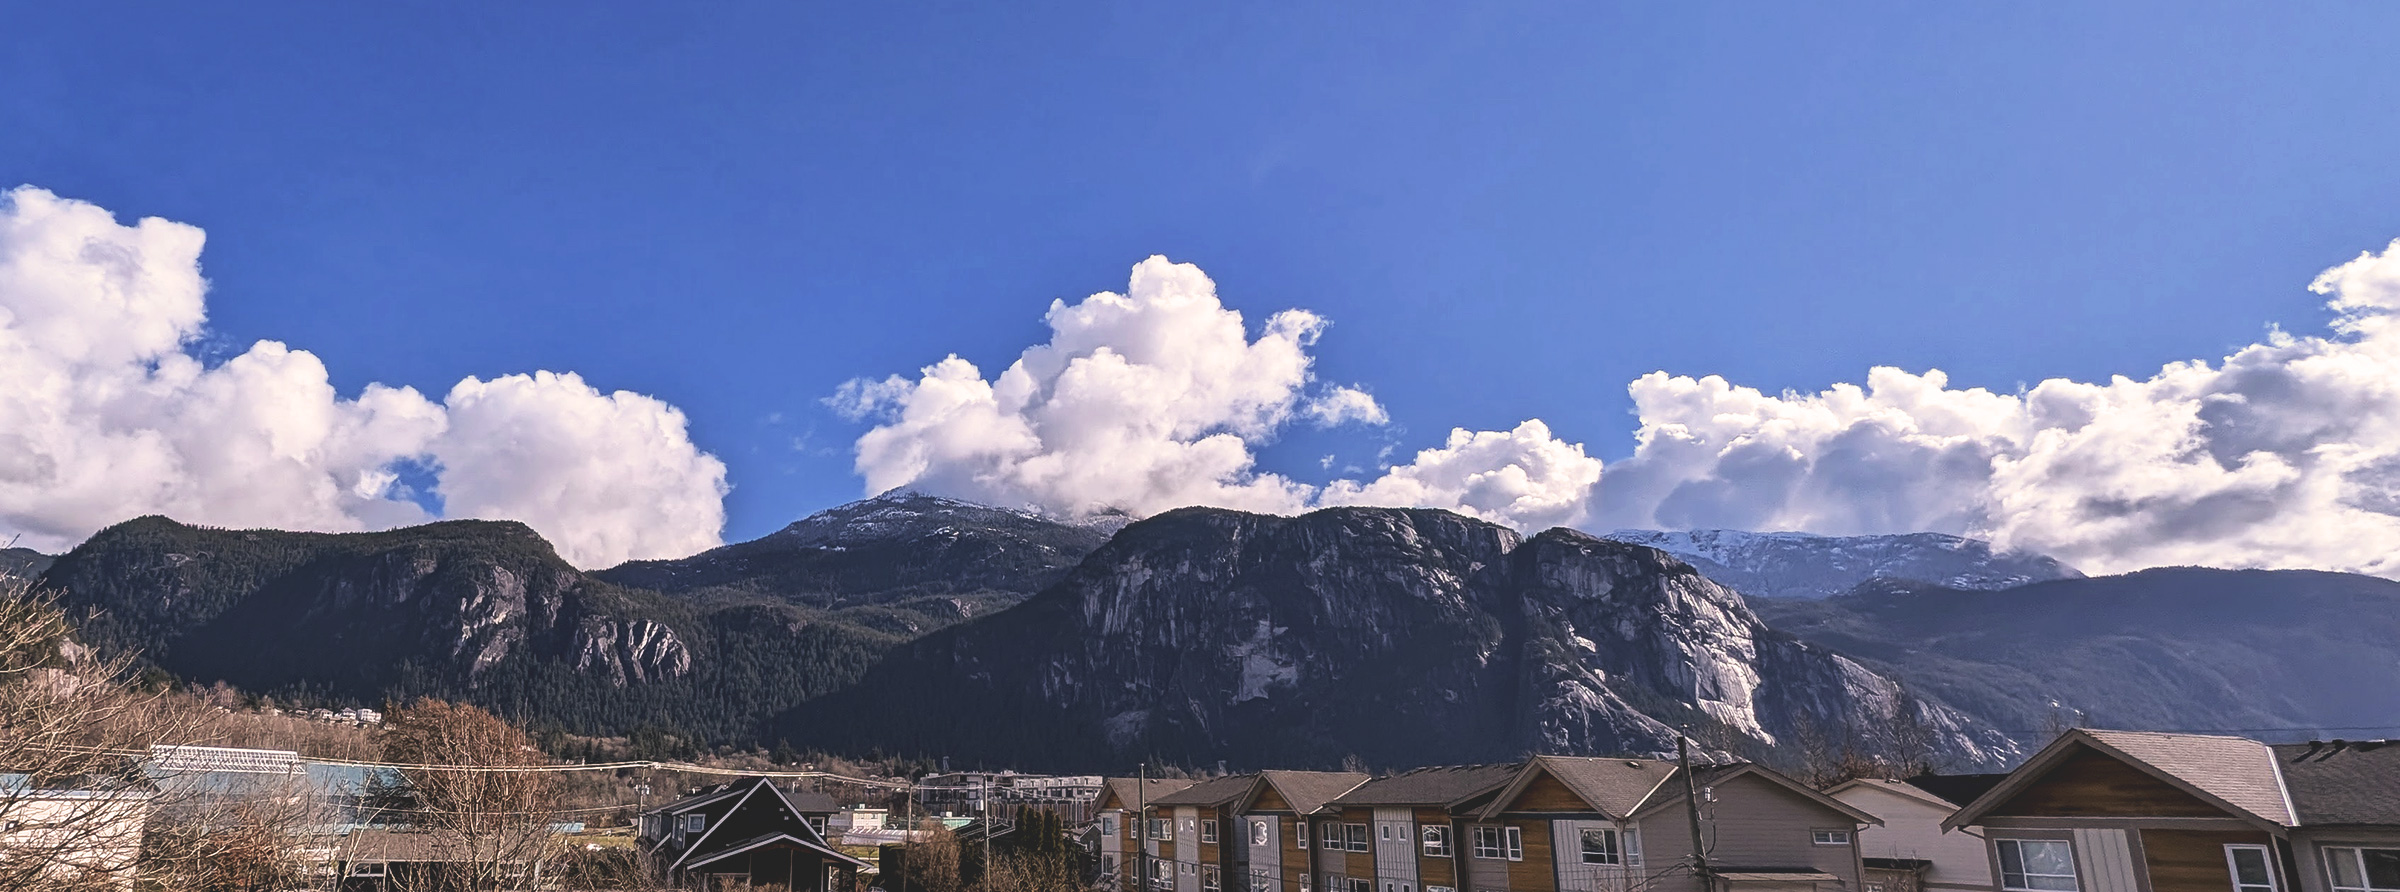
(2284, 454)
(106, 416)
(1156, 398)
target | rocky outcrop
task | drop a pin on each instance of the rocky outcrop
(1398, 636)
(1802, 565)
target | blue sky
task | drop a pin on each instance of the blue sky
(1506, 212)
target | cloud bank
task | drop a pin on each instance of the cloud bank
(106, 416)
(2284, 454)
(1158, 398)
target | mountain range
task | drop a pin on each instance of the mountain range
(922, 625)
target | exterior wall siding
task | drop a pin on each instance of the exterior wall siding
(1395, 841)
(2104, 861)
(2308, 846)
(1912, 828)
(2193, 860)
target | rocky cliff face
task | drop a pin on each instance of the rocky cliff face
(1399, 636)
(1801, 565)
(449, 601)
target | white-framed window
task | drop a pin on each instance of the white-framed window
(1208, 831)
(1330, 833)
(1384, 832)
(695, 823)
(1487, 842)
(1829, 837)
(366, 868)
(2253, 870)
(2036, 865)
(1162, 829)
(1162, 873)
(1187, 825)
(1361, 884)
(1108, 823)
(1356, 835)
(1441, 889)
(817, 823)
(1108, 864)
(2363, 870)
(1189, 868)
(1260, 882)
(1435, 840)
(1300, 837)
(1631, 840)
(1258, 831)
(1211, 880)
(1307, 880)
(1600, 847)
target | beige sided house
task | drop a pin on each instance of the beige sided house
(1910, 852)
(1124, 848)
(1585, 824)
(73, 834)
(1275, 818)
(2347, 798)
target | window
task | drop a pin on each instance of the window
(1631, 839)
(1258, 832)
(366, 868)
(2036, 865)
(1435, 839)
(1513, 840)
(1300, 837)
(695, 823)
(1487, 842)
(1385, 832)
(1330, 833)
(1162, 873)
(1188, 868)
(1361, 885)
(2364, 870)
(2251, 870)
(1260, 882)
(1306, 880)
(1357, 835)
(1211, 880)
(1108, 864)
(1108, 824)
(1441, 889)
(1187, 825)
(1208, 831)
(1600, 847)
(1162, 829)
(817, 823)
(1829, 837)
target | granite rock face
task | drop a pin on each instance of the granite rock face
(1399, 637)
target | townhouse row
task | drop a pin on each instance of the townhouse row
(1547, 824)
(2094, 811)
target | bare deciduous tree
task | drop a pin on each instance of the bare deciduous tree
(493, 826)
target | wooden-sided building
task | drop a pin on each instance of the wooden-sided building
(2132, 811)
(1127, 844)
(1405, 831)
(1276, 816)
(1203, 817)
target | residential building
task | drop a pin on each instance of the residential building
(1275, 816)
(1403, 831)
(1909, 851)
(746, 831)
(1203, 852)
(1125, 843)
(2131, 811)
(2346, 797)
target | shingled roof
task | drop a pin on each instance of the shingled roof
(1308, 791)
(1212, 792)
(1129, 792)
(2233, 773)
(2347, 783)
(1440, 785)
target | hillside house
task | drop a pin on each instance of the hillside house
(1910, 852)
(746, 831)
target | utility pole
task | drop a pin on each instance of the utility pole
(1691, 801)
(984, 876)
(1141, 828)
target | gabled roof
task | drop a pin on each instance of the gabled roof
(706, 796)
(717, 820)
(1901, 789)
(1956, 789)
(2346, 782)
(2235, 774)
(1613, 787)
(1127, 792)
(1305, 791)
(1442, 785)
(1670, 791)
(767, 839)
(1210, 793)
(811, 802)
